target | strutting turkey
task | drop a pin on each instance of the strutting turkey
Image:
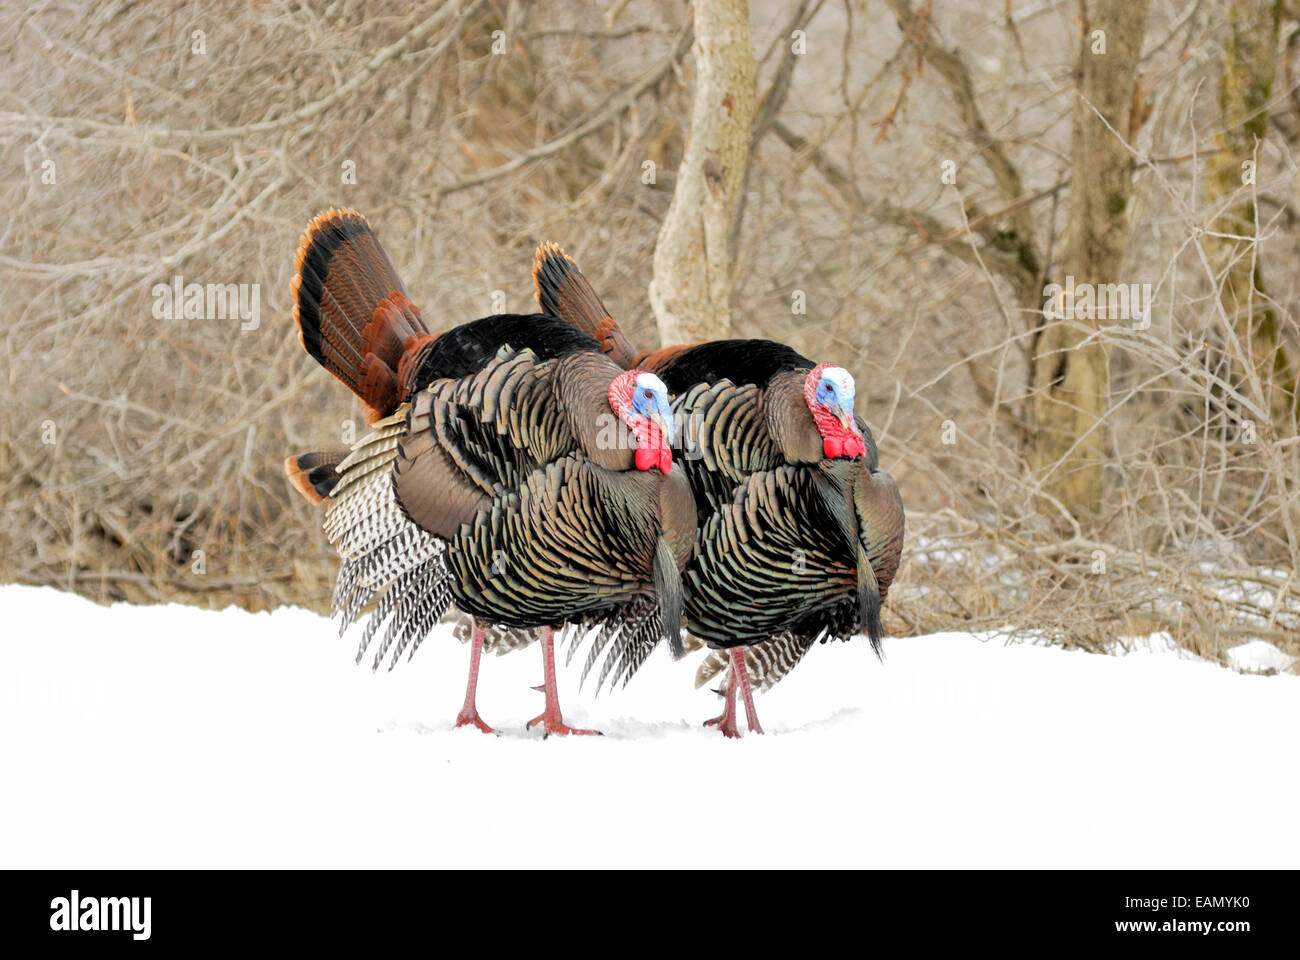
(800, 532)
(512, 470)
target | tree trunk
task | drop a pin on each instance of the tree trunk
(690, 291)
(1249, 65)
(1071, 381)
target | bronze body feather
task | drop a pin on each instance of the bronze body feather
(793, 546)
(498, 476)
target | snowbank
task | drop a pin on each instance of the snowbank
(174, 737)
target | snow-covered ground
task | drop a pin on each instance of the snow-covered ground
(173, 737)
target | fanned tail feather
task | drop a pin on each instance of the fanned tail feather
(352, 312)
(562, 291)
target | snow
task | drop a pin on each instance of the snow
(1259, 656)
(174, 737)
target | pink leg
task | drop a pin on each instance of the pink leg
(738, 668)
(727, 721)
(469, 712)
(551, 719)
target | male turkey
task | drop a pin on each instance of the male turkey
(800, 532)
(512, 471)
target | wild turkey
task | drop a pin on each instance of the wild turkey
(512, 470)
(800, 532)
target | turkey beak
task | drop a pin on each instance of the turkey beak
(845, 417)
(664, 421)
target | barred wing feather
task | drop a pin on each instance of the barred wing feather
(386, 559)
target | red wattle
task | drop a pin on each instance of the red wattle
(665, 460)
(646, 457)
(837, 440)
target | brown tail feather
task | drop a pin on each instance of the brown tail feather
(351, 309)
(562, 291)
(313, 474)
(656, 360)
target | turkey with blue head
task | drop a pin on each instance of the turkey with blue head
(800, 532)
(512, 471)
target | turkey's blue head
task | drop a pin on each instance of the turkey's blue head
(829, 392)
(641, 401)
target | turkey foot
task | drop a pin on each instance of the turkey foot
(726, 722)
(469, 712)
(746, 691)
(737, 676)
(551, 719)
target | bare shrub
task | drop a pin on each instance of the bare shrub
(850, 245)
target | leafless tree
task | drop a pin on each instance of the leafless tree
(690, 290)
(895, 185)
